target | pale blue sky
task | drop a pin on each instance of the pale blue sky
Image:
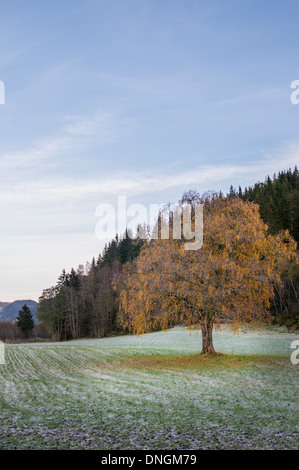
(140, 98)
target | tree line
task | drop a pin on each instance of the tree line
(278, 200)
(84, 301)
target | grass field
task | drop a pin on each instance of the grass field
(152, 392)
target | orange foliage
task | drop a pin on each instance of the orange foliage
(230, 277)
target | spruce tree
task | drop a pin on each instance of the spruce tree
(125, 248)
(25, 319)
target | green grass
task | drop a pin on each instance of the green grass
(152, 392)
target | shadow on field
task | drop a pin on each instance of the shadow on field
(196, 361)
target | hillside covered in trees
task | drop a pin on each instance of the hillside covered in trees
(278, 200)
(85, 302)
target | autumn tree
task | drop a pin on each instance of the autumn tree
(231, 277)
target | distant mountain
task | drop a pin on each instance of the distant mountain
(11, 311)
(3, 304)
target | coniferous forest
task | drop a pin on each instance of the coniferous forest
(278, 200)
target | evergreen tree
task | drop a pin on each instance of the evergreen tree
(25, 319)
(99, 260)
(74, 280)
(232, 191)
(93, 265)
(125, 248)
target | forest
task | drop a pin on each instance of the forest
(89, 301)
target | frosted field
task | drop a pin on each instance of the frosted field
(152, 392)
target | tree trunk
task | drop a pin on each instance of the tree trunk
(207, 338)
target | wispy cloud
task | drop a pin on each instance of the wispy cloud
(203, 177)
(78, 132)
(250, 95)
(41, 151)
(7, 57)
(101, 125)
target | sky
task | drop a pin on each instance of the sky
(142, 99)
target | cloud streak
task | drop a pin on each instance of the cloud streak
(203, 177)
(78, 132)
(42, 151)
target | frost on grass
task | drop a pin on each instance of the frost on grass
(150, 393)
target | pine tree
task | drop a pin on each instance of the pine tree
(125, 248)
(93, 265)
(232, 191)
(74, 280)
(25, 319)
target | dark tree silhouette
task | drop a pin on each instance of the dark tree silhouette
(25, 320)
